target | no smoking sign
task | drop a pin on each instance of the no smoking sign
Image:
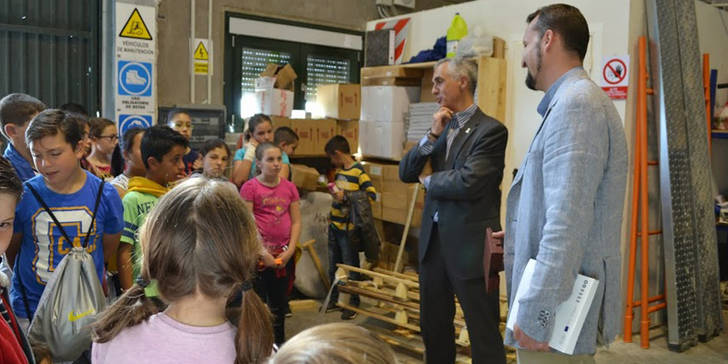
(614, 80)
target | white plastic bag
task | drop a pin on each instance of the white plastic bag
(476, 43)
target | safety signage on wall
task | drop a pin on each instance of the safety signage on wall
(127, 121)
(136, 94)
(615, 77)
(201, 56)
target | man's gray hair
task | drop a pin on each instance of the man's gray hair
(462, 67)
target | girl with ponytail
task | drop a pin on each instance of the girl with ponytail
(200, 250)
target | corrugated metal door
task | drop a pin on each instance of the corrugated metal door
(49, 49)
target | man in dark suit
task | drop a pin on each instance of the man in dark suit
(466, 149)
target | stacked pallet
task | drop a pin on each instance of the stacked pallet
(398, 303)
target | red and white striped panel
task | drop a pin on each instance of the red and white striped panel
(400, 27)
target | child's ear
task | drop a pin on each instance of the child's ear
(9, 130)
(80, 150)
(152, 162)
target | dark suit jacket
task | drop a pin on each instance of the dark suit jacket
(465, 189)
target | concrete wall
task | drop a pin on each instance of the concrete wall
(174, 21)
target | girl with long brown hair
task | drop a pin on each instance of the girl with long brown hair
(200, 249)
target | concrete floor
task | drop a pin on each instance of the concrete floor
(714, 351)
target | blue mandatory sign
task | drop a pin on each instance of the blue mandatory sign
(127, 122)
(135, 78)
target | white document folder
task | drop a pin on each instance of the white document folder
(570, 314)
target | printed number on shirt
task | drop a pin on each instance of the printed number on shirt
(52, 245)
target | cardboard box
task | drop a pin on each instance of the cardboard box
(280, 121)
(325, 130)
(391, 71)
(399, 216)
(304, 177)
(377, 207)
(381, 139)
(349, 129)
(313, 135)
(387, 103)
(381, 172)
(284, 75)
(340, 101)
(274, 102)
(401, 200)
(307, 136)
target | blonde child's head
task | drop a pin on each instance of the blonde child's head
(198, 240)
(339, 343)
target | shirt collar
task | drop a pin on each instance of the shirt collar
(546, 100)
(462, 117)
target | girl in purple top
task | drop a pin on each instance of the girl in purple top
(275, 204)
(200, 249)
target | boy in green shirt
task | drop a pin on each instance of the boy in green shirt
(162, 150)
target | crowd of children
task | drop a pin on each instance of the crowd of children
(189, 258)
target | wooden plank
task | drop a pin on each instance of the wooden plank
(411, 277)
(378, 295)
(304, 305)
(499, 48)
(385, 277)
(492, 87)
(390, 81)
(378, 317)
(411, 295)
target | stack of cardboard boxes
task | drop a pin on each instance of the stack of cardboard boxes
(393, 195)
(274, 90)
(384, 102)
(312, 134)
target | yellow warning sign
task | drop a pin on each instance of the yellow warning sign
(201, 53)
(135, 27)
(201, 68)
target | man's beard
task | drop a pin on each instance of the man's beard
(530, 78)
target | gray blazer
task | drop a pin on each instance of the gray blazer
(564, 209)
(464, 189)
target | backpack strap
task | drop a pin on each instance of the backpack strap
(48, 210)
(93, 217)
(55, 220)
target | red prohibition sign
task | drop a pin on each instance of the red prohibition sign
(614, 76)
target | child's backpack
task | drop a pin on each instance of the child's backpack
(71, 299)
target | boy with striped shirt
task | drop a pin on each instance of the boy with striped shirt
(350, 176)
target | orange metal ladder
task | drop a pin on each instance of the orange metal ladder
(639, 187)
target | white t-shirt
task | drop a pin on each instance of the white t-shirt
(121, 181)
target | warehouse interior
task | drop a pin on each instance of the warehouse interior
(369, 72)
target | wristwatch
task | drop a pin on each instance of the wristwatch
(430, 133)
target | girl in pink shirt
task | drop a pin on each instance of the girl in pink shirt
(275, 204)
(200, 250)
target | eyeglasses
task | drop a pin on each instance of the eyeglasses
(110, 137)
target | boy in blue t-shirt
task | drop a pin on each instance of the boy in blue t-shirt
(16, 110)
(38, 245)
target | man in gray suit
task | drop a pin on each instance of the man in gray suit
(564, 208)
(466, 149)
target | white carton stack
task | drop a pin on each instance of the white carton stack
(382, 123)
(420, 119)
(272, 101)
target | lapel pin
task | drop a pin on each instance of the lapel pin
(467, 130)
